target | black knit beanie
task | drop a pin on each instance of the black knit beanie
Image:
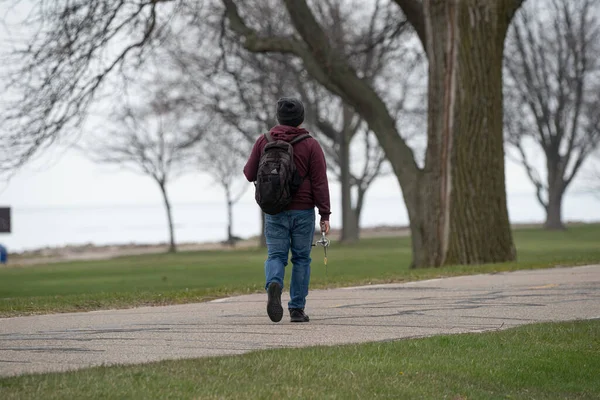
(290, 111)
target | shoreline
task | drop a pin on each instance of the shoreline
(90, 251)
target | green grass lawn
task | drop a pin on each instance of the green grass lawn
(544, 361)
(199, 276)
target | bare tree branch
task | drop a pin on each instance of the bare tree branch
(253, 42)
(66, 64)
(330, 69)
(552, 64)
(413, 9)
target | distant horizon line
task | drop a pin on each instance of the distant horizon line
(92, 206)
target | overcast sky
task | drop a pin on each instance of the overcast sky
(66, 178)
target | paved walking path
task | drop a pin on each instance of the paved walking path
(236, 325)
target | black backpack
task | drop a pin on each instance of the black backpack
(277, 179)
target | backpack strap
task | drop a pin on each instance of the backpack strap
(269, 137)
(300, 138)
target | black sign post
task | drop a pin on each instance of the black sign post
(4, 219)
(4, 228)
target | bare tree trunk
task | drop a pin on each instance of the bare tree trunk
(357, 210)
(355, 227)
(556, 191)
(554, 213)
(263, 239)
(349, 231)
(163, 190)
(230, 238)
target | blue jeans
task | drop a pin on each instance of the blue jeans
(293, 230)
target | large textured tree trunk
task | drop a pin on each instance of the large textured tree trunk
(481, 231)
(464, 217)
(457, 203)
(163, 190)
(349, 231)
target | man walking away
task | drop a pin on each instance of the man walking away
(289, 170)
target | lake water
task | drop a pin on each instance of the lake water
(119, 224)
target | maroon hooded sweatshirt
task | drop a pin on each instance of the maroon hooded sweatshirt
(310, 163)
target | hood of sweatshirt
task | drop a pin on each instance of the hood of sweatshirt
(286, 133)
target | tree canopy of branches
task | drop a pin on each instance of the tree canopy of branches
(258, 80)
(249, 85)
(552, 93)
(375, 53)
(237, 86)
(459, 193)
(155, 140)
(74, 48)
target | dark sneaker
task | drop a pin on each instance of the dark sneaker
(297, 315)
(274, 308)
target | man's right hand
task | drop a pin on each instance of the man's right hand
(325, 227)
